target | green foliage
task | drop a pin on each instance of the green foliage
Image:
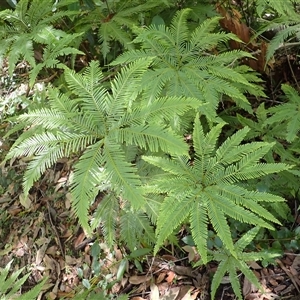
(133, 130)
(279, 7)
(290, 125)
(102, 125)
(184, 64)
(263, 131)
(114, 21)
(230, 264)
(10, 285)
(24, 30)
(205, 189)
(113, 216)
(287, 29)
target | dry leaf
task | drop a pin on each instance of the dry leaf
(296, 262)
(138, 279)
(247, 287)
(185, 293)
(254, 265)
(191, 252)
(154, 294)
(170, 277)
(25, 201)
(161, 277)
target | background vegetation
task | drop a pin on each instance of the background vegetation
(178, 122)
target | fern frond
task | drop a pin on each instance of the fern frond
(179, 28)
(10, 285)
(85, 181)
(280, 7)
(124, 87)
(32, 22)
(105, 216)
(199, 226)
(230, 264)
(180, 67)
(280, 38)
(174, 209)
(291, 109)
(122, 174)
(37, 166)
(152, 138)
(218, 276)
(210, 184)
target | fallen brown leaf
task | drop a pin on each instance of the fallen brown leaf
(139, 279)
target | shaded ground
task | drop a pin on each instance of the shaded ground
(42, 233)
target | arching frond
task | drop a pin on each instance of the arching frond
(209, 192)
(182, 65)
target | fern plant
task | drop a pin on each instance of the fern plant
(186, 64)
(100, 125)
(287, 114)
(29, 26)
(207, 188)
(135, 228)
(10, 285)
(231, 264)
(114, 21)
(280, 7)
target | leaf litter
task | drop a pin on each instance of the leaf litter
(43, 233)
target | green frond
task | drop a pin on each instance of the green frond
(260, 170)
(130, 56)
(291, 109)
(110, 31)
(60, 102)
(136, 228)
(219, 222)
(179, 69)
(205, 144)
(122, 174)
(206, 187)
(246, 239)
(153, 138)
(218, 276)
(280, 38)
(172, 213)
(21, 46)
(49, 118)
(168, 165)
(230, 264)
(126, 85)
(86, 178)
(251, 158)
(31, 23)
(105, 217)
(228, 207)
(87, 87)
(203, 31)
(280, 7)
(152, 206)
(233, 277)
(10, 284)
(39, 164)
(230, 151)
(199, 227)
(249, 199)
(167, 107)
(179, 28)
(33, 144)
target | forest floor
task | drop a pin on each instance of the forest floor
(42, 233)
